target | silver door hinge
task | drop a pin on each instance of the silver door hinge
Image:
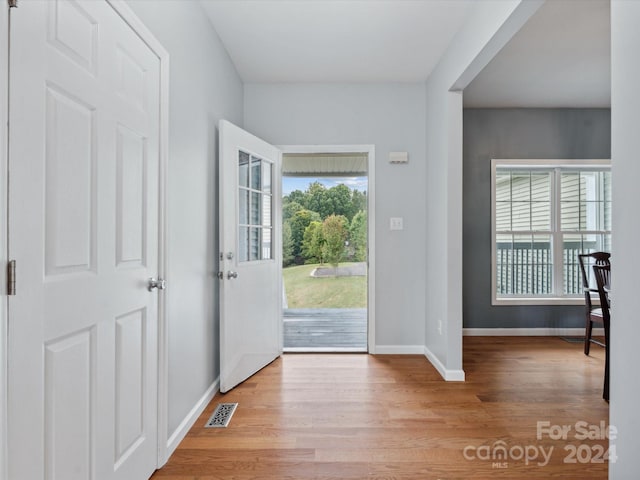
(11, 278)
(12, 3)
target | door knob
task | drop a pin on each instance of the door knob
(159, 283)
(231, 274)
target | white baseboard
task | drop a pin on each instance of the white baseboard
(399, 349)
(323, 350)
(447, 374)
(178, 435)
(529, 332)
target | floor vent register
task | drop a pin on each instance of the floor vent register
(221, 415)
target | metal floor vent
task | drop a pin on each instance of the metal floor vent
(221, 415)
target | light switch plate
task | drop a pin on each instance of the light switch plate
(396, 223)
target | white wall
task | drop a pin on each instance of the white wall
(625, 167)
(391, 117)
(488, 27)
(204, 87)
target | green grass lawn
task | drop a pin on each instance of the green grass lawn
(304, 291)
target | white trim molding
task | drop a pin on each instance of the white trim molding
(399, 349)
(529, 332)
(4, 135)
(447, 374)
(181, 431)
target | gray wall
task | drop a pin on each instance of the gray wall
(516, 133)
(204, 87)
(391, 117)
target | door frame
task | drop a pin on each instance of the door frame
(128, 16)
(371, 220)
(4, 232)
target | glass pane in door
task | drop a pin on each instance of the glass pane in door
(255, 219)
(243, 169)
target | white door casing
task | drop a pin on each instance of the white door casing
(250, 255)
(4, 120)
(84, 166)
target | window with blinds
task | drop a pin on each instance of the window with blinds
(544, 214)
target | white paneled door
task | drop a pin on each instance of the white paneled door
(250, 256)
(83, 228)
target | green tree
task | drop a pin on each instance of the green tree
(301, 220)
(330, 201)
(287, 244)
(289, 209)
(297, 196)
(315, 198)
(337, 201)
(358, 236)
(358, 201)
(334, 229)
(312, 243)
(317, 203)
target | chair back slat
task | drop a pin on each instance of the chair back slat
(602, 273)
(595, 258)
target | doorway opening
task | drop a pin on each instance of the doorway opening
(326, 244)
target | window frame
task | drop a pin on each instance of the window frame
(555, 232)
(249, 224)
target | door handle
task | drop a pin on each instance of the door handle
(159, 283)
(231, 274)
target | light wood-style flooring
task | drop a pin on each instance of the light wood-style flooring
(358, 416)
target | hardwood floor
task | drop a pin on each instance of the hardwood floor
(358, 416)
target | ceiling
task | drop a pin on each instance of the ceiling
(560, 58)
(336, 40)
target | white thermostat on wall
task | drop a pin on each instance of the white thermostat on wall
(398, 157)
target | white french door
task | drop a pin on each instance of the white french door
(250, 255)
(83, 228)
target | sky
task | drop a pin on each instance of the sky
(289, 184)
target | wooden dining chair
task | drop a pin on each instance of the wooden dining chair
(593, 313)
(603, 282)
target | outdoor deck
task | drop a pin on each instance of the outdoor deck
(325, 330)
